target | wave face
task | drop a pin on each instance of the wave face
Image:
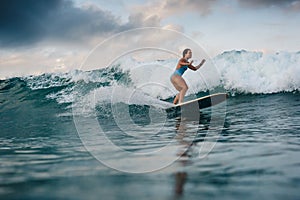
(19, 92)
(239, 72)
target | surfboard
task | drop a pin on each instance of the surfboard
(191, 108)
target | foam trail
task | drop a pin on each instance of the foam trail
(130, 96)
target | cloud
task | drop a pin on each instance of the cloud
(28, 22)
(25, 23)
(19, 20)
(38, 60)
(28, 29)
(202, 7)
(167, 8)
(285, 4)
(152, 13)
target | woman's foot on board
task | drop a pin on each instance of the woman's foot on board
(176, 99)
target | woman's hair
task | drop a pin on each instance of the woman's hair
(185, 52)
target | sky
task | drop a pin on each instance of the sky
(57, 35)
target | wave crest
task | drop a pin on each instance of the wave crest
(256, 73)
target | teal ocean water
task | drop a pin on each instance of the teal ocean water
(88, 135)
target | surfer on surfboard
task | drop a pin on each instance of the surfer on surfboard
(176, 78)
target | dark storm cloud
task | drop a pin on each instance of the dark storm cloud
(24, 22)
(19, 20)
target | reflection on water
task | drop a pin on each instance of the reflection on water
(181, 176)
(186, 142)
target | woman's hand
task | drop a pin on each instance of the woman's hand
(202, 62)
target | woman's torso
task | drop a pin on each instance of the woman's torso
(180, 69)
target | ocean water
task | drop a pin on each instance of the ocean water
(89, 135)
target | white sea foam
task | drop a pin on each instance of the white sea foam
(255, 72)
(136, 82)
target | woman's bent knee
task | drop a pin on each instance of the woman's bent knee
(185, 88)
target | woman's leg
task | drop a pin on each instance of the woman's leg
(183, 91)
(180, 85)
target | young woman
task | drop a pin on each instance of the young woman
(176, 78)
